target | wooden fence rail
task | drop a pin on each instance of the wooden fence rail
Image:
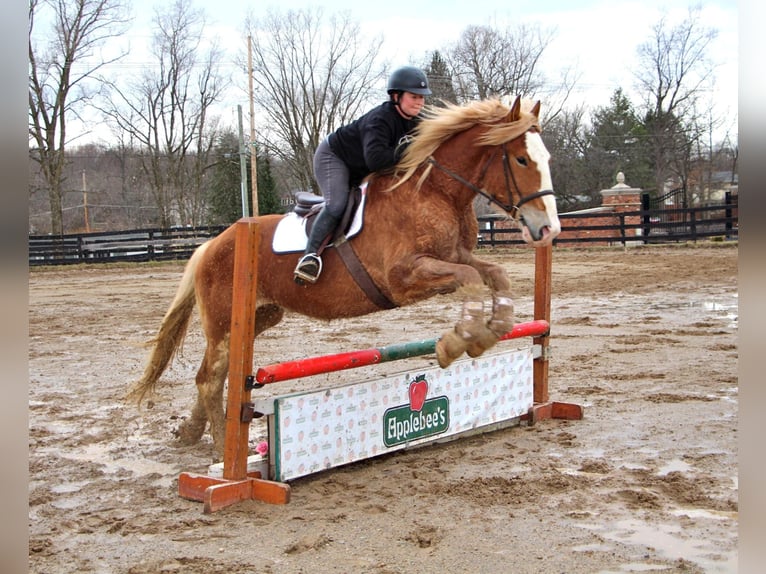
(607, 228)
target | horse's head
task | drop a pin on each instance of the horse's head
(522, 188)
(489, 149)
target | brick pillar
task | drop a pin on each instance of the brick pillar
(622, 198)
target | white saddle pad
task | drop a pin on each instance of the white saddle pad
(290, 234)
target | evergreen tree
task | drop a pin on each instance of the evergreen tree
(618, 142)
(440, 81)
(268, 197)
(224, 192)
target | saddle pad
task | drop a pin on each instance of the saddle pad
(290, 234)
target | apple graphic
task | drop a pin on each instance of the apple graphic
(418, 391)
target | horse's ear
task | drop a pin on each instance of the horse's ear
(536, 109)
(515, 114)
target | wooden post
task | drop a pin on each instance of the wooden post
(243, 306)
(542, 311)
(543, 407)
(237, 485)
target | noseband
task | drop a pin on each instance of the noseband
(511, 208)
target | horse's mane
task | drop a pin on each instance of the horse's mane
(440, 123)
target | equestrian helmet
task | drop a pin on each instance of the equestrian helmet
(409, 79)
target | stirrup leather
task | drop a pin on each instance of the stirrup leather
(309, 268)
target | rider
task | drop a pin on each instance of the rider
(373, 142)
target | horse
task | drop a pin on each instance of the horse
(420, 231)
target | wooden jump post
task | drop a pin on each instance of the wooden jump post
(543, 407)
(237, 484)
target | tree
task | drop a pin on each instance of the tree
(440, 80)
(566, 139)
(674, 70)
(310, 78)
(225, 192)
(268, 196)
(488, 61)
(224, 198)
(166, 112)
(618, 142)
(60, 74)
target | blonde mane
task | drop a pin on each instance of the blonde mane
(441, 123)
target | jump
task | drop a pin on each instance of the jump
(418, 238)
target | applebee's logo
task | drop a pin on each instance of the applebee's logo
(420, 418)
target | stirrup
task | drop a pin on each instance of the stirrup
(308, 269)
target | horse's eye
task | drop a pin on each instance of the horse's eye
(522, 160)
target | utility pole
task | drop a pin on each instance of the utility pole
(85, 203)
(253, 157)
(242, 164)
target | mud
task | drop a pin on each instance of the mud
(644, 338)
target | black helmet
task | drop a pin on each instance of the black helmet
(409, 79)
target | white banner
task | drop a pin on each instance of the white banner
(323, 429)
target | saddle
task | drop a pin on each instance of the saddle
(308, 205)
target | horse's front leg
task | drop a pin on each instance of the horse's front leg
(495, 277)
(471, 335)
(428, 276)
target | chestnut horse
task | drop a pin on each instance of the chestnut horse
(419, 233)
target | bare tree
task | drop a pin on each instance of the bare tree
(63, 57)
(311, 76)
(567, 141)
(165, 111)
(488, 61)
(674, 72)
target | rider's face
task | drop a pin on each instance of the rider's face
(411, 104)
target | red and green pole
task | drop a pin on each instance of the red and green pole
(354, 359)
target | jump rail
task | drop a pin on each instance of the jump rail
(237, 484)
(354, 359)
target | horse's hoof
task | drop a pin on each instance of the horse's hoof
(448, 348)
(189, 434)
(474, 351)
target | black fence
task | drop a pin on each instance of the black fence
(713, 222)
(717, 222)
(139, 245)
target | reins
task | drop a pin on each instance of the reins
(511, 208)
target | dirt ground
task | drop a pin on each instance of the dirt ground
(644, 338)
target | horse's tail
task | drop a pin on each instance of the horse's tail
(171, 333)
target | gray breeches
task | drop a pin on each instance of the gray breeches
(332, 176)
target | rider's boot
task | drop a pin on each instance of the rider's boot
(310, 265)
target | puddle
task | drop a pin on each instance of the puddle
(706, 513)
(667, 541)
(674, 465)
(592, 548)
(68, 487)
(697, 308)
(634, 466)
(636, 567)
(99, 454)
(69, 503)
(584, 473)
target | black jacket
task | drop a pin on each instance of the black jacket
(371, 142)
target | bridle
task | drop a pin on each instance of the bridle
(511, 208)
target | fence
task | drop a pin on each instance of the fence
(138, 245)
(605, 226)
(592, 227)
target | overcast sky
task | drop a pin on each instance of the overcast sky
(597, 37)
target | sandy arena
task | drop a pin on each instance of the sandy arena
(644, 338)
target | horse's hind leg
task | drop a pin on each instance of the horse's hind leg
(210, 376)
(210, 382)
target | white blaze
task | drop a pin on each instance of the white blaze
(541, 156)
